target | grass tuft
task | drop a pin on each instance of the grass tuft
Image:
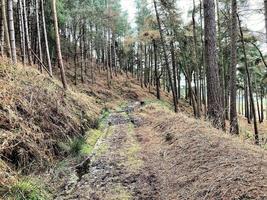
(28, 190)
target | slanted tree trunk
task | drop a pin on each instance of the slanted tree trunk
(22, 33)
(166, 58)
(38, 34)
(234, 129)
(27, 37)
(215, 107)
(12, 31)
(174, 71)
(58, 46)
(249, 85)
(45, 39)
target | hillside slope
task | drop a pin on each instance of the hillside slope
(37, 116)
(114, 143)
(148, 152)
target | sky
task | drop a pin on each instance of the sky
(254, 21)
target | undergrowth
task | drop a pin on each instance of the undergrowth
(27, 189)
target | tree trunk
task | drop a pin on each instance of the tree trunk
(45, 39)
(2, 34)
(156, 70)
(58, 46)
(27, 37)
(166, 58)
(38, 33)
(22, 33)
(215, 107)
(6, 32)
(12, 31)
(234, 129)
(249, 85)
(265, 9)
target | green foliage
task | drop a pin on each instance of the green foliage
(82, 146)
(103, 118)
(28, 190)
(74, 146)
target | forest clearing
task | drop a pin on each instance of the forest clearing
(143, 99)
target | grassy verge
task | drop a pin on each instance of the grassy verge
(28, 189)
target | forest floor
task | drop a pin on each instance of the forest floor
(94, 142)
(147, 152)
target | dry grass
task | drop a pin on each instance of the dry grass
(35, 115)
(247, 130)
(200, 162)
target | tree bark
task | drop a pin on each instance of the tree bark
(166, 58)
(27, 37)
(38, 33)
(12, 32)
(215, 107)
(45, 39)
(265, 9)
(58, 46)
(256, 132)
(22, 33)
(6, 31)
(234, 129)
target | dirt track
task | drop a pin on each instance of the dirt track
(145, 156)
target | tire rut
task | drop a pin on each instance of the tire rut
(117, 174)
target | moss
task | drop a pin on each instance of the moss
(91, 140)
(27, 189)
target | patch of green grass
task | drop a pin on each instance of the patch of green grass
(246, 134)
(28, 190)
(103, 118)
(91, 139)
(74, 146)
(82, 146)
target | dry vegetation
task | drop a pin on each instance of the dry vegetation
(35, 115)
(198, 161)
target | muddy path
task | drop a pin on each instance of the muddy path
(149, 153)
(117, 168)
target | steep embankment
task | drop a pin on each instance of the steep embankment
(39, 120)
(35, 116)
